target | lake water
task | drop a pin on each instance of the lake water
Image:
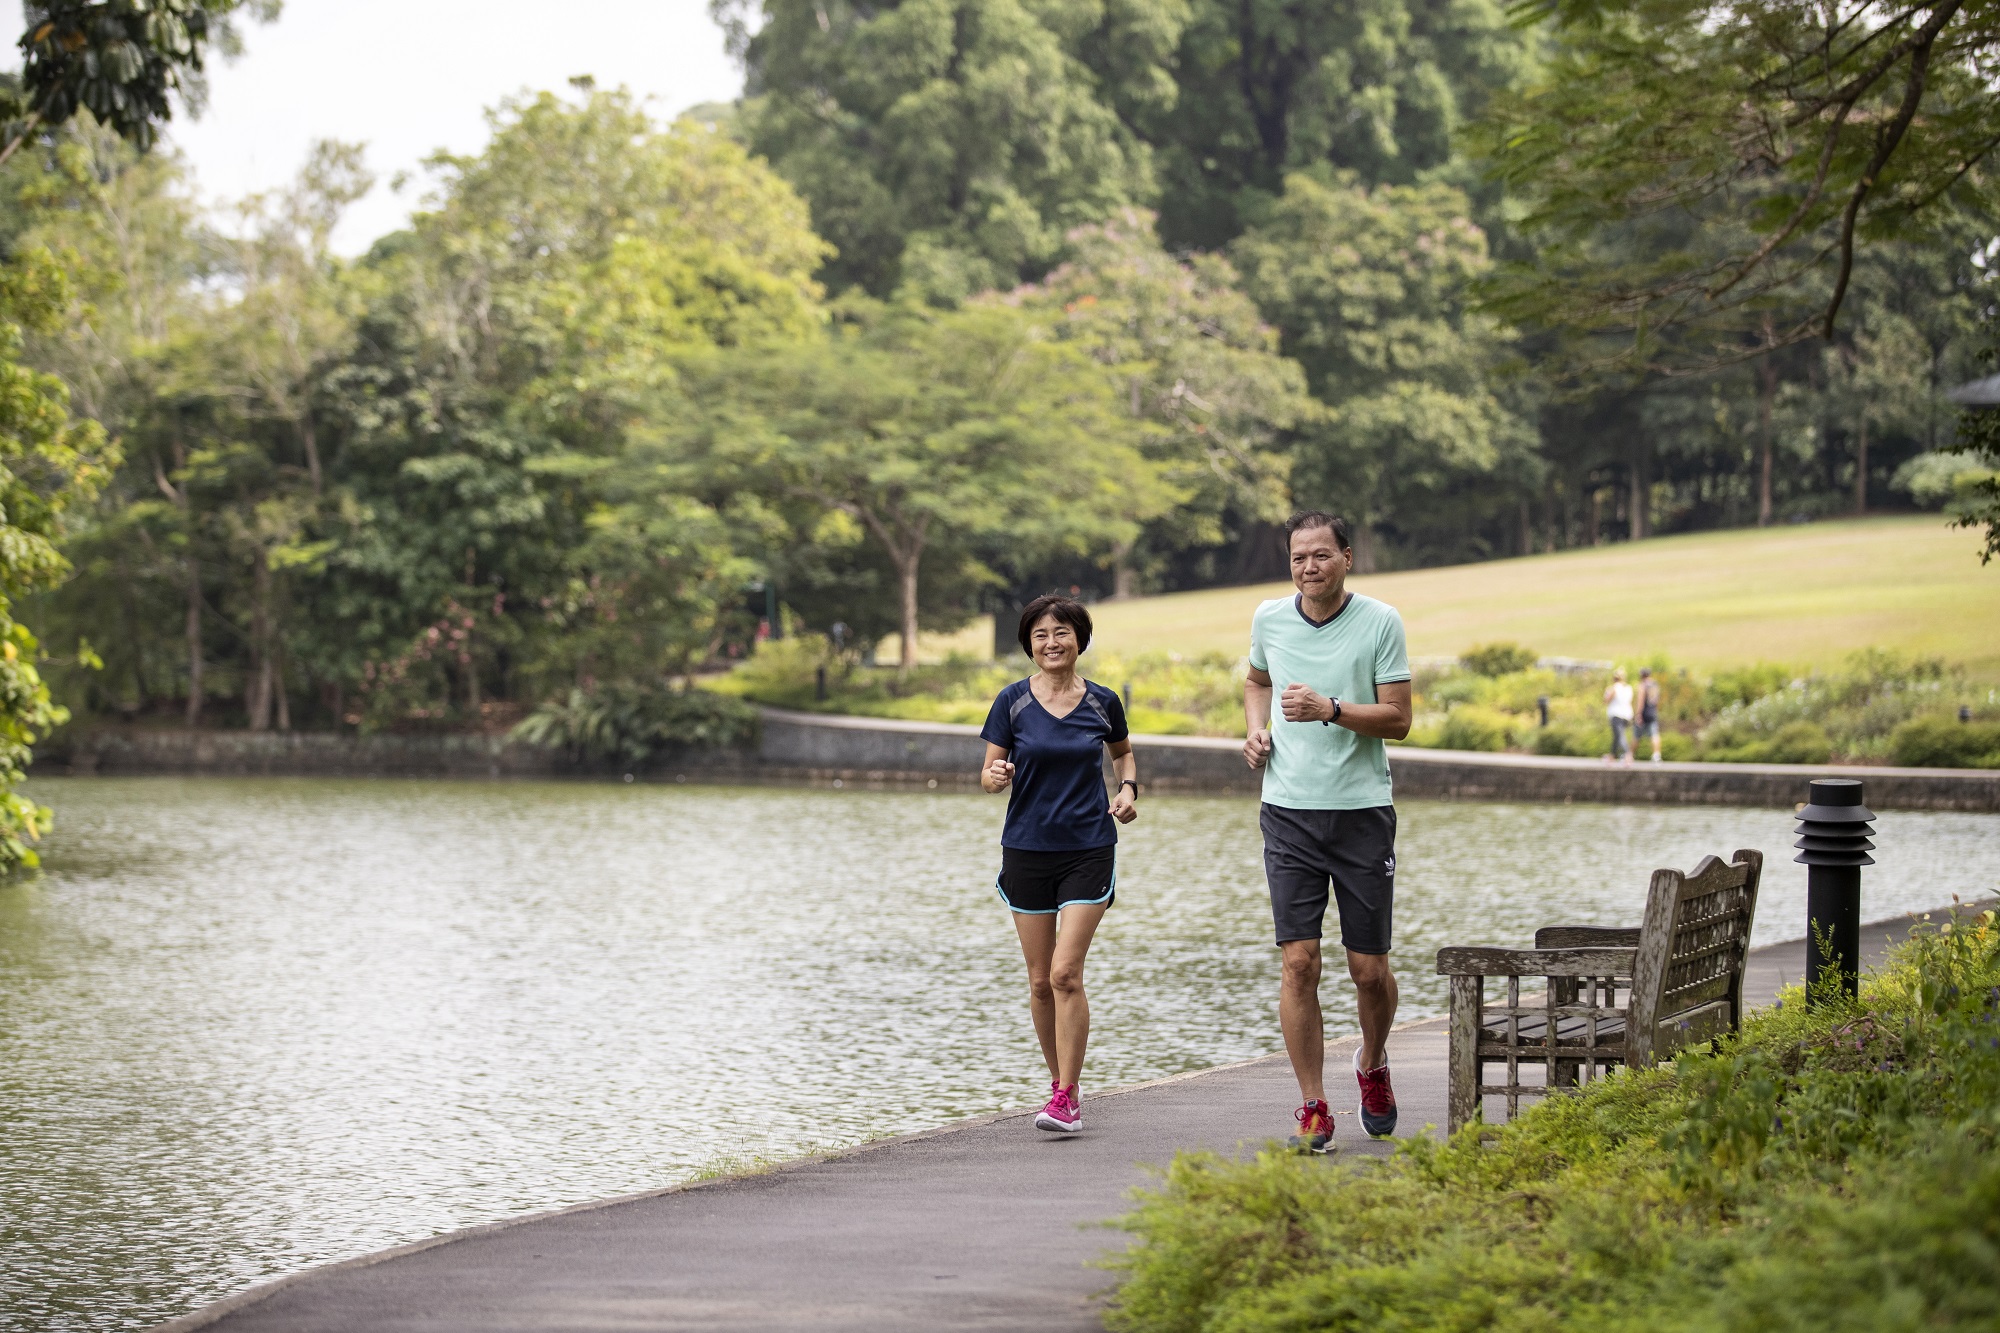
(251, 1026)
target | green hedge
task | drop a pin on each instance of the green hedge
(1831, 1169)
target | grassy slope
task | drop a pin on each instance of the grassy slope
(1805, 595)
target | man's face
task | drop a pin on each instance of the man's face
(1319, 566)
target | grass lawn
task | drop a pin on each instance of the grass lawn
(1804, 595)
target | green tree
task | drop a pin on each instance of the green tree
(1193, 361)
(121, 60)
(1751, 150)
(947, 146)
(514, 340)
(1267, 88)
(1369, 289)
(48, 461)
(927, 431)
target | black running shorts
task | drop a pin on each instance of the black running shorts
(1353, 850)
(1039, 883)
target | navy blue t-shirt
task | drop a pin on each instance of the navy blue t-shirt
(1057, 803)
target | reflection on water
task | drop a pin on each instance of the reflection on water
(248, 1026)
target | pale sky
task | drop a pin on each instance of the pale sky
(410, 76)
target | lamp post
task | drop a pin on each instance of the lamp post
(1833, 846)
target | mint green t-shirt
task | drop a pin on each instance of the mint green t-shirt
(1316, 767)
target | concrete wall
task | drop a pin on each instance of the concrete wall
(819, 749)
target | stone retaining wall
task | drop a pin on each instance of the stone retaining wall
(820, 749)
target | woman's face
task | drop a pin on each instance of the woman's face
(1053, 643)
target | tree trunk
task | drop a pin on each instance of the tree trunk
(311, 443)
(1124, 578)
(278, 693)
(1364, 548)
(1596, 515)
(1861, 470)
(1637, 502)
(1767, 392)
(194, 644)
(257, 700)
(1527, 530)
(906, 580)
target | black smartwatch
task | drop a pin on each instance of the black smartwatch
(1336, 713)
(1127, 782)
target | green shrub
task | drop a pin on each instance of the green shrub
(1471, 727)
(1581, 740)
(1829, 1169)
(631, 723)
(1160, 722)
(1945, 742)
(1497, 659)
(1793, 743)
(1676, 746)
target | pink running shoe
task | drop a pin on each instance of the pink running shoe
(1063, 1114)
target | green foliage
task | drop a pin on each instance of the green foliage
(1832, 1168)
(1197, 366)
(630, 723)
(916, 429)
(1381, 88)
(48, 462)
(1497, 659)
(1368, 288)
(1942, 741)
(122, 62)
(947, 147)
(1700, 178)
(1976, 492)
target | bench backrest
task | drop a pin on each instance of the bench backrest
(1687, 980)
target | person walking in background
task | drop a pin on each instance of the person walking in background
(1618, 708)
(1327, 816)
(1649, 710)
(1046, 738)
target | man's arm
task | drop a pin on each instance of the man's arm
(1256, 717)
(1388, 718)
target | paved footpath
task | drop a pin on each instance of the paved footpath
(984, 1225)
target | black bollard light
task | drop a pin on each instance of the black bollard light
(819, 684)
(1833, 846)
(1542, 706)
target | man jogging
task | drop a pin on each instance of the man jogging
(1336, 661)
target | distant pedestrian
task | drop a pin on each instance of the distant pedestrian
(1046, 738)
(1649, 709)
(1328, 816)
(1618, 708)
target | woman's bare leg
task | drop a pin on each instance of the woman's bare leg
(1038, 947)
(1072, 1008)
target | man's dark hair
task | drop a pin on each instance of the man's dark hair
(1307, 519)
(1065, 609)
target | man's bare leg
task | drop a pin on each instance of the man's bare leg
(1299, 1017)
(1375, 992)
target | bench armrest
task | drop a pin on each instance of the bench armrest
(1478, 961)
(1587, 937)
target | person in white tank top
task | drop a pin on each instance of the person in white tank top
(1618, 707)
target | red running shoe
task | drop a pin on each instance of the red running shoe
(1378, 1099)
(1315, 1128)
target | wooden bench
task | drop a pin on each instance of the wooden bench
(1613, 996)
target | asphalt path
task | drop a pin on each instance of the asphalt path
(988, 1224)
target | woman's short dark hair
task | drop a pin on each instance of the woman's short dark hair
(1307, 519)
(1066, 610)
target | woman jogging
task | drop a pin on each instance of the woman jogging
(1618, 708)
(1045, 739)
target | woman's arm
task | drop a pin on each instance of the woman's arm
(997, 772)
(1126, 765)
